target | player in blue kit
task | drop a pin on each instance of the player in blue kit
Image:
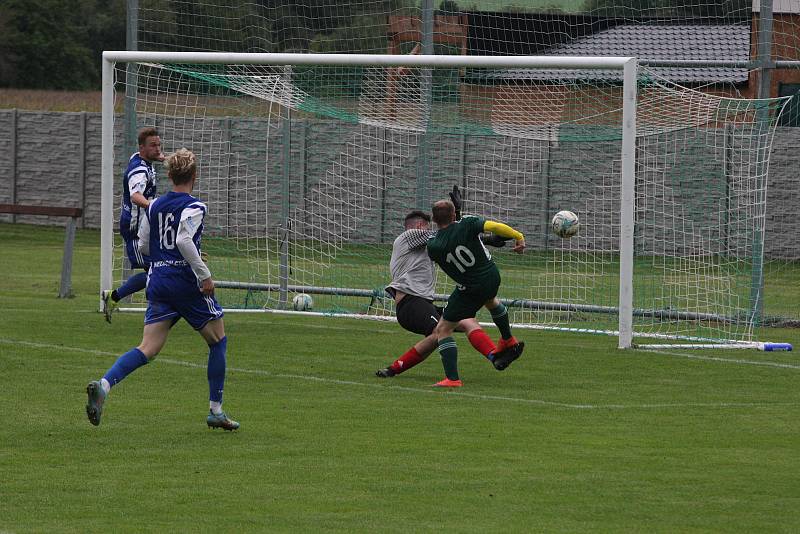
(179, 285)
(138, 190)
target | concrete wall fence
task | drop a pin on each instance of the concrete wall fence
(53, 158)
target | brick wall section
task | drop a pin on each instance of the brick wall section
(783, 197)
(378, 169)
(48, 148)
(6, 163)
(91, 208)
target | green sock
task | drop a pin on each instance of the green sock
(500, 318)
(449, 351)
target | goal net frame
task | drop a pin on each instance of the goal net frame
(628, 66)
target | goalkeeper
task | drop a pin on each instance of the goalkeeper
(458, 250)
(412, 288)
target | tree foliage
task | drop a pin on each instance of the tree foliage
(56, 44)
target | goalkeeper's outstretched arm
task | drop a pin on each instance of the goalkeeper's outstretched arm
(503, 230)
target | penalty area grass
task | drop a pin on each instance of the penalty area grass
(574, 436)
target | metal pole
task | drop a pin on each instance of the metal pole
(627, 206)
(764, 91)
(66, 262)
(131, 89)
(547, 207)
(286, 134)
(82, 166)
(382, 151)
(107, 178)
(727, 169)
(303, 163)
(373, 60)
(462, 161)
(132, 44)
(228, 147)
(13, 170)
(765, 48)
(426, 102)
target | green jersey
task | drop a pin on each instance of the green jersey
(460, 253)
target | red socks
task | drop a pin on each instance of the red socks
(481, 342)
(406, 361)
(477, 338)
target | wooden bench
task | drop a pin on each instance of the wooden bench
(73, 215)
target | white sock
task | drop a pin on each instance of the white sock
(106, 385)
(216, 407)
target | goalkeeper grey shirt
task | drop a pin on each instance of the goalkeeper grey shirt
(412, 270)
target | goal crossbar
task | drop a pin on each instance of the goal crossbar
(370, 60)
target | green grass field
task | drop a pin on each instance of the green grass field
(576, 436)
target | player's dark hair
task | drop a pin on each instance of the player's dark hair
(182, 166)
(144, 133)
(443, 211)
(414, 216)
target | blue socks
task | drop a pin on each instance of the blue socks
(134, 358)
(135, 283)
(125, 365)
(216, 369)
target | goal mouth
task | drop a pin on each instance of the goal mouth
(308, 166)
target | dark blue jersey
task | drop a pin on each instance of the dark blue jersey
(174, 217)
(140, 177)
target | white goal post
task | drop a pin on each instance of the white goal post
(523, 124)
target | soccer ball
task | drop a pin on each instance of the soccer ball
(302, 302)
(565, 224)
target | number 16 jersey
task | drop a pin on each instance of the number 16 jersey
(170, 274)
(459, 251)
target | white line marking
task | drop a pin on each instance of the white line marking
(385, 387)
(354, 328)
(39, 310)
(718, 359)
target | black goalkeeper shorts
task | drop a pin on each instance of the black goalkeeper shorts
(418, 315)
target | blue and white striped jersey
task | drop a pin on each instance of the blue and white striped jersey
(140, 177)
(174, 220)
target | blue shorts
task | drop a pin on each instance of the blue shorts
(134, 256)
(197, 311)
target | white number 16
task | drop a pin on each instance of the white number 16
(167, 232)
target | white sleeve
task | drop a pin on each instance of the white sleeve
(144, 234)
(191, 219)
(137, 181)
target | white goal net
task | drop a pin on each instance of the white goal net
(308, 170)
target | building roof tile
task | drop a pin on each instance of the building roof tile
(729, 42)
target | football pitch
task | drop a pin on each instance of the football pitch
(575, 436)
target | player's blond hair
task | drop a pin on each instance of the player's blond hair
(182, 166)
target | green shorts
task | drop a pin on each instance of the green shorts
(465, 303)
